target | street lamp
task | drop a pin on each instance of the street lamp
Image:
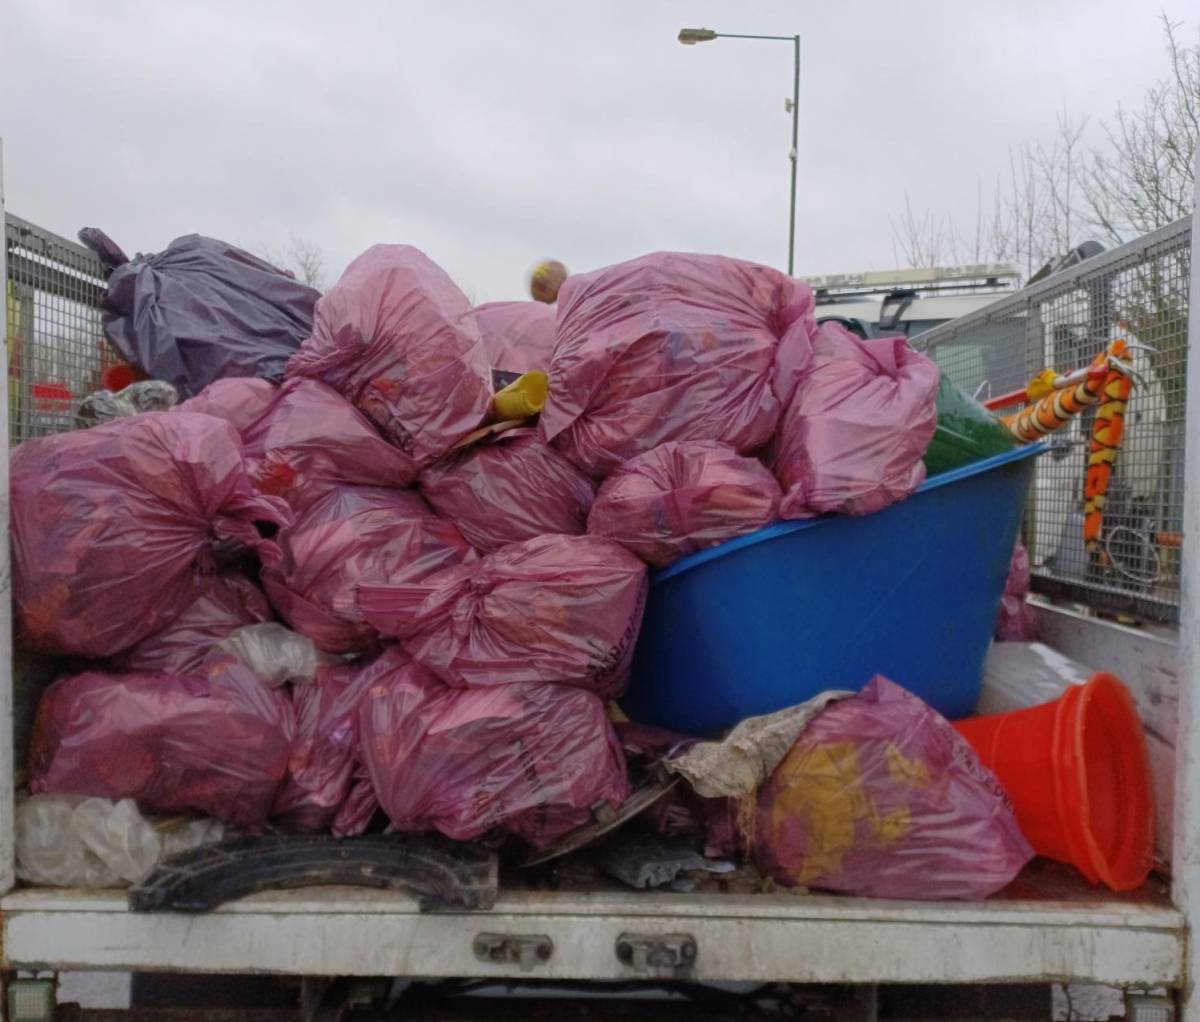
(691, 36)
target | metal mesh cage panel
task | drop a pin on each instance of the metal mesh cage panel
(1138, 292)
(56, 345)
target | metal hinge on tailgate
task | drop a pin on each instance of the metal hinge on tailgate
(522, 949)
(670, 953)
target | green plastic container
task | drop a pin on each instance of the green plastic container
(966, 432)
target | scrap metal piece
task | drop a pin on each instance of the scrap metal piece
(606, 819)
(444, 874)
(645, 861)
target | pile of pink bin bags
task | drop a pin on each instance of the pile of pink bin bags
(473, 604)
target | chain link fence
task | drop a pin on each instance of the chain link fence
(1138, 292)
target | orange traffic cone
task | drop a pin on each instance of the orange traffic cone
(1077, 773)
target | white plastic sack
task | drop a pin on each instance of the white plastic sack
(275, 653)
(72, 841)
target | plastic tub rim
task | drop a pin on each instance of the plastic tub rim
(786, 528)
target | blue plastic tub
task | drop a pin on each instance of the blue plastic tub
(770, 619)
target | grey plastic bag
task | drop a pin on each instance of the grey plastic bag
(203, 309)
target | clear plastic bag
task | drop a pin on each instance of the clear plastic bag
(275, 653)
(75, 841)
(683, 497)
(557, 609)
(142, 396)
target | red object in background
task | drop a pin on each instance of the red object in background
(119, 377)
(51, 397)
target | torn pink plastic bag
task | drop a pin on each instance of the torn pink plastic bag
(325, 753)
(1017, 621)
(395, 337)
(857, 425)
(683, 497)
(509, 489)
(215, 743)
(531, 759)
(556, 609)
(222, 604)
(308, 439)
(517, 336)
(109, 525)
(880, 796)
(673, 346)
(356, 535)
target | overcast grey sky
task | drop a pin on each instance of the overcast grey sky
(491, 134)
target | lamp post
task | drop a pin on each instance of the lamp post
(691, 36)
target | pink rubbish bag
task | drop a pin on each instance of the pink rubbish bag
(880, 796)
(309, 439)
(355, 535)
(517, 336)
(222, 604)
(110, 524)
(240, 401)
(856, 427)
(509, 489)
(325, 753)
(215, 743)
(395, 337)
(1017, 621)
(673, 346)
(556, 609)
(531, 759)
(683, 497)
(361, 805)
